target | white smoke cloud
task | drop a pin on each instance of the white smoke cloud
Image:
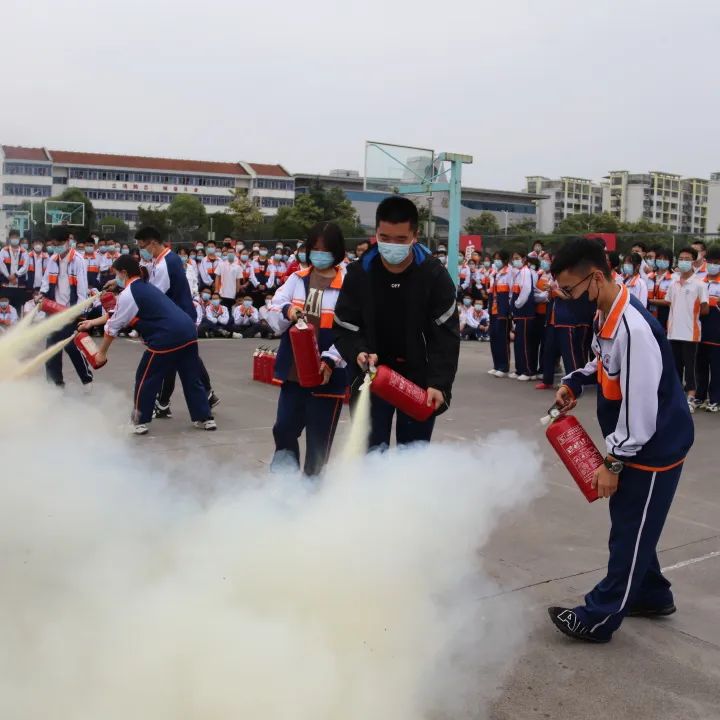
(128, 593)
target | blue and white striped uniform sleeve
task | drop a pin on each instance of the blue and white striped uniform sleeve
(282, 300)
(81, 276)
(582, 376)
(125, 311)
(640, 371)
(525, 282)
(159, 276)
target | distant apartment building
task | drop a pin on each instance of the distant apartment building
(118, 184)
(564, 197)
(712, 222)
(680, 204)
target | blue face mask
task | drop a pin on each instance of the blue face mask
(215, 302)
(278, 256)
(120, 280)
(321, 259)
(497, 264)
(393, 253)
(713, 269)
(467, 302)
(302, 257)
(487, 263)
(206, 296)
(247, 303)
(684, 266)
(628, 269)
(662, 264)
(144, 254)
(244, 257)
(650, 262)
(517, 264)
(126, 251)
(184, 259)
(544, 265)
(230, 258)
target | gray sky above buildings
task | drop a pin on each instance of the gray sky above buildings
(526, 86)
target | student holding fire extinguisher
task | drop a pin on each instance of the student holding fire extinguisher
(311, 294)
(648, 431)
(397, 307)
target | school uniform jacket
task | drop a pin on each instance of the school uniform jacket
(711, 322)
(77, 277)
(641, 406)
(293, 294)
(158, 320)
(500, 288)
(37, 264)
(17, 257)
(523, 299)
(168, 274)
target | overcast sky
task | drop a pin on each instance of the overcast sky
(551, 87)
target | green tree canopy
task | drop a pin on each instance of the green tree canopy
(483, 224)
(120, 230)
(155, 217)
(186, 214)
(244, 214)
(295, 221)
(582, 223)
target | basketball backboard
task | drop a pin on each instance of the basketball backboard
(61, 212)
(18, 220)
(388, 166)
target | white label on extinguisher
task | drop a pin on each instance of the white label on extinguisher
(89, 344)
(406, 387)
(585, 456)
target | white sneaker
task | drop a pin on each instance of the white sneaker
(133, 334)
(712, 407)
(492, 371)
(500, 373)
(87, 388)
(691, 406)
(523, 378)
(237, 336)
(140, 429)
(205, 424)
(536, 377)
(513, 375)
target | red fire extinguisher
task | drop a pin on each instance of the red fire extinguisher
(306, 353)
(50, 307)
(256, 373)
(406, 396)
(576, 449)
(86, 345)
(108, 302)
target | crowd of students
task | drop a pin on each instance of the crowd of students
(513, 301)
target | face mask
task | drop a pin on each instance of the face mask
(517, 264)
(144, 254)
(277, 256)
(126, 251)
(184, 259)
(351, 256)
(120, 280)
(244, 257)
(684, 266)
(713, 269)
(497, 264)
(215, 302)
(487, 264)
(119, 249)
(478, 307)
(14, 242)
(211, 251)
(230, 257)
(37, 247)
(60, 249)
(662, 264)
(101, 248)
(393, 253)
(24, 246)
(193, 256)
(628, 269)
(206, 296)
(256, 248)
(72, 243)
(263, 253)
(650, 262)
(302, 257)
(80, 251)
(467, 302)
(538, 249)
(248, 303)
(268, 303)
(224, 256)
(544, 265)
(239, 247)
(321, 259)
(4, 303)
(199, 247)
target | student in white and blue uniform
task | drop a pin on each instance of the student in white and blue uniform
(171, 344)
(648, 432)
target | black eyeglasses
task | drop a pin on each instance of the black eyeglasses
(567, 292)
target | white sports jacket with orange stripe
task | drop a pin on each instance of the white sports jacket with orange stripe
(641, 406)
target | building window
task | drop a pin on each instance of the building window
(26, 169)
(17, 190)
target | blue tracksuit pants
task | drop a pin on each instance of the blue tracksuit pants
(407, 430)
(155, 365)
(637, 514)
(300, 409)
(54, 366)
(500, 343)
(525, 346)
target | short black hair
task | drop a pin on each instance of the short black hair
(614, 259)
(664, 252)
(362, 242)
(13, 233)
(699, 242)
(641, 245)
(503, 255)
(147, 234)
(397, 209)
(634, 258)
(59, 233)
(713, 253)
(690, 250)
(580, 254)
(534, 262)
(333, 236)
(128, 264)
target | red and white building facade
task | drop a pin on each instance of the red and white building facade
(118, 184)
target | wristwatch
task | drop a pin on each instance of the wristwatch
(613, 465)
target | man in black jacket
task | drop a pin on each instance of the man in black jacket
(397, 307)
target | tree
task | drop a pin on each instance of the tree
(582, 223)
(335, 207)
(244, 214)
(642, 226)
(186, 214)
(155, 217)
(295, 221)
(120, 230)
(483, 224)
(526, 227)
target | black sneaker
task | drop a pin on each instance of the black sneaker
(162, 411)
(568, 623)
(213, 399)
(640, 611)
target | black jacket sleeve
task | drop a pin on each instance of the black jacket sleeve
(442, 333)
(349, 326)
